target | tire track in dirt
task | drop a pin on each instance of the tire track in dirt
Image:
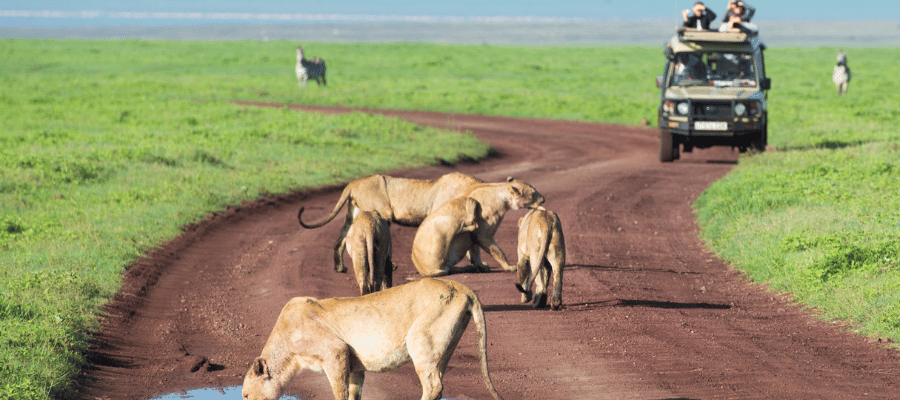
(648, 312)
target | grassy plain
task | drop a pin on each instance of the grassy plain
(818, 218)
(109, 147)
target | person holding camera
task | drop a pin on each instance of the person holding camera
(738, 7)
(698, 17)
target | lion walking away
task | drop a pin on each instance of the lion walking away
(369, 246)
(541, 249)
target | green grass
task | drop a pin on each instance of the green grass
(821, 224)
(805, 112)
(819, 217)
(109, 147)
(105, 154)
(581, 83)
(498, 80)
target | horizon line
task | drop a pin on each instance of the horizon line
(95, 14)
(318, 17)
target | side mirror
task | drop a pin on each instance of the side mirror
(659, 82)
(766, 84)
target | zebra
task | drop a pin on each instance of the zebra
(307, 69)
(841, 75)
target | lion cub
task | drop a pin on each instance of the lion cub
(369, 245)
(541, 248)
(420, 322)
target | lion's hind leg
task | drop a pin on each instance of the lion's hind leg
(523, 273)
(557, 260)
(341, 242)
(356, 384)
(387, 271)
(541, 278)
(474, 255)
(537, 247)
(431, 342)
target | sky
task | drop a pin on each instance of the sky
(65, 13)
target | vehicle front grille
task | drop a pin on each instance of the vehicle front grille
(712, 110)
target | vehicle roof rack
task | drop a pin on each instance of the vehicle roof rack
(699, 35)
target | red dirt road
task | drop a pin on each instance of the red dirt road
(648, 312)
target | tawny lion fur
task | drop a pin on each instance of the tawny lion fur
(420, 322)
(369, 246)
(542, 249)
(443, 238)
(400, 200)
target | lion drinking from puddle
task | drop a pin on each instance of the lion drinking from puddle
(420, 322)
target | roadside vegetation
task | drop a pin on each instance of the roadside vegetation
(819, 218)
(109, 147)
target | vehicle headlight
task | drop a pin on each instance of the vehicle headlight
(754, 108)
(740, 109)
(669, 106)
(683, 108)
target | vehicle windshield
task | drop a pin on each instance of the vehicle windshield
(713, 69)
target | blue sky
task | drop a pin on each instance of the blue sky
(189, 12)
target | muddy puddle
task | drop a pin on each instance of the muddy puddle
(233, 392)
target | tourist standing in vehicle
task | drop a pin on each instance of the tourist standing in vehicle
(738, 7)
(737, 24)
(698, 17)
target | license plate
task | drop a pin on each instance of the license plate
(710, 126)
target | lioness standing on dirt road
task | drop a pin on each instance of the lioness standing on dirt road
(440, 243)
(541, 248)
(369, 246)
(420, 321)
(400, 200)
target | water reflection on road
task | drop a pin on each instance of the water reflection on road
(232, 392)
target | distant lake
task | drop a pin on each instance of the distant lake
(220, 25)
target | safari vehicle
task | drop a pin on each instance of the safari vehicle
(713, 93)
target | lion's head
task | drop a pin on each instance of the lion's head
(259, 383)
(524, 195)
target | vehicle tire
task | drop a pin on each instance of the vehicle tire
(667, 151)
(760, 141)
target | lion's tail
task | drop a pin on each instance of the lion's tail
(370, 258)
(345, 196)
(478, 316)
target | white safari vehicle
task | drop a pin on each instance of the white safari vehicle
(713, 93)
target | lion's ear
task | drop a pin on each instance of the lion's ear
(472, 206)
(261, 368)
(509, 179)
